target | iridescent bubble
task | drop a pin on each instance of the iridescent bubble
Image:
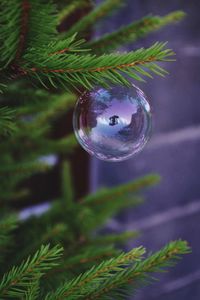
(112, 124)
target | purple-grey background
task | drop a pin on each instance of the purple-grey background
(172, 209)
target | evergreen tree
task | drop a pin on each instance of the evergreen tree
(58, 255)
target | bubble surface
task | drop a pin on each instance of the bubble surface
(112, 124)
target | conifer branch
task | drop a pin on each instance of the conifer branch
(22, 167)
(115, 238)
(110, 194)
(71, 8)
(94, 16)
(94, 276)
(25, 8)
(108, 202)
(68, 45)
(7, 225)
(101, 212)
(9, 31)
(89, 254)
(3, 86)
(6, 196)
(32, 292)
(42, 24)
(7, 121)
(57, 230)
(45, 146)
(31, 24)
(89, 70)
(65, 145)
(60, 104)
(49, 234)
(15, 283)
(45, 105)
(133, 31)
(140, 272)
(84, 258)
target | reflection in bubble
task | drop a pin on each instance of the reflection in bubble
(112, 124)
(113, 120)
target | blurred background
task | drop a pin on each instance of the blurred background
(172, 209)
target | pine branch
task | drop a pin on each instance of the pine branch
(90, 70)
(116, 284)
(108, 202)
(25, 100)
(66, 145)
(22, 167)
(42, 23)
(41, 146)
(78, 287)
(2, 87)
(133, 31)
(7, 195)
(9, 31)
(87, 255)
(58, 105)
(32, 291)
(15, 283)
(80, 258)
(111, 194)
(59, 229)
(98, 214)
(25, 10)
(68, 45)
(94, 16)
(7, 121)
(31, 24)
(118, 238)
(48, 235)
(44, 106)
(19, 93)
(70, 8)
(7, 225)
(8, 189)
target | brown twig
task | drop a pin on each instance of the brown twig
(60, 51)
(24, 28)
(100, 69)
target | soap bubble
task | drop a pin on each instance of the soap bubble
(112, 124)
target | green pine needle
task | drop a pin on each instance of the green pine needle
(10, 13)
(138, 273)
(70, 8)
(111, 194)
(95, 15)
(90, 70)
(7, 225)
(132, 32)
(24, 24)
(92, 278)
(7, 121)
(17, 282)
